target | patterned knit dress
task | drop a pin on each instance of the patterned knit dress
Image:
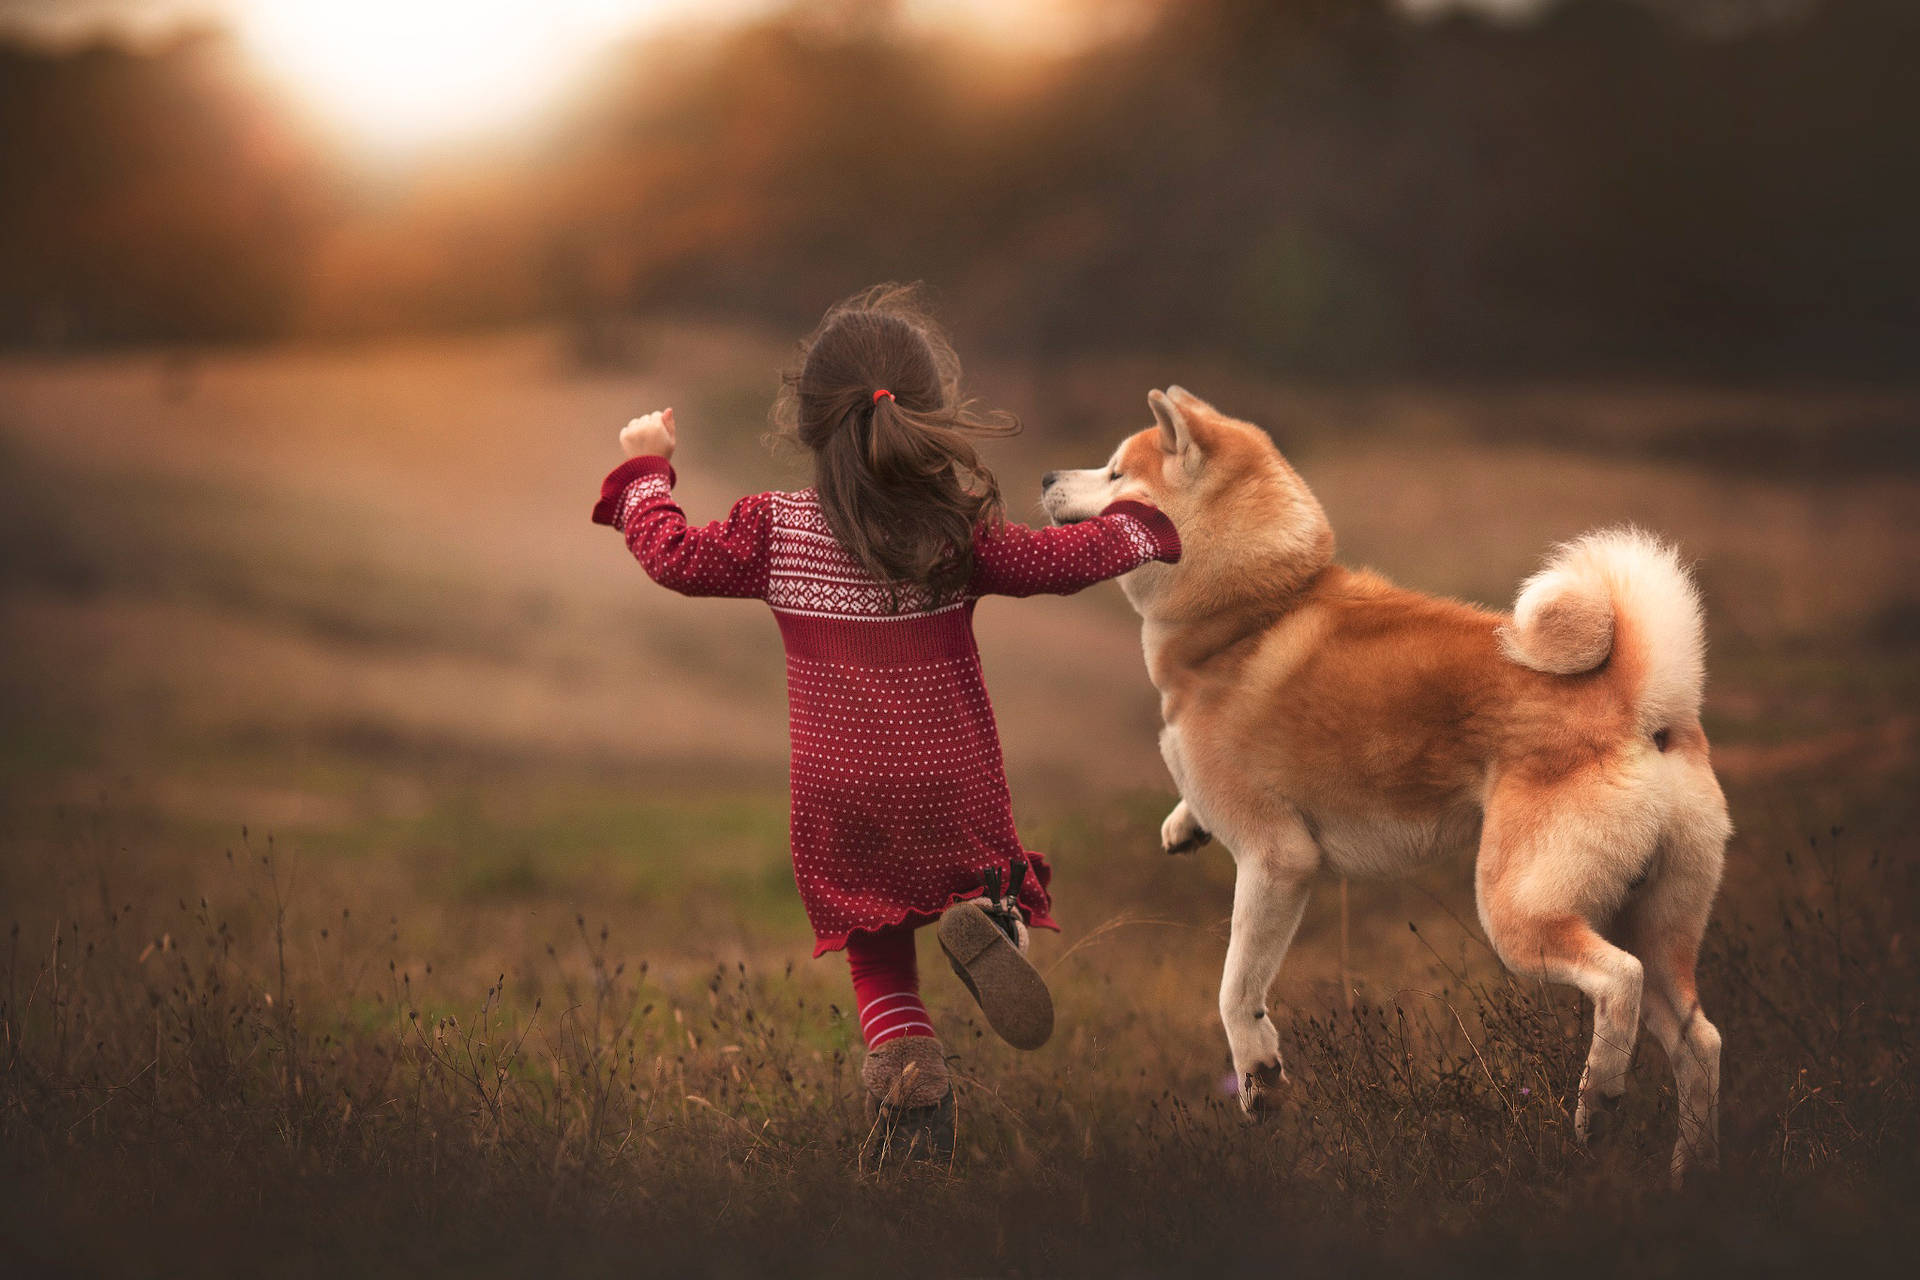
(900, 799)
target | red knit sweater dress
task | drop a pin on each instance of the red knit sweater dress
(900, 799)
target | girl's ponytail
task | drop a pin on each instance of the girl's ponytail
(876, 399)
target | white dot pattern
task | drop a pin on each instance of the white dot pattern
(900, 798)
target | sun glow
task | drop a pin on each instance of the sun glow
(403, 73)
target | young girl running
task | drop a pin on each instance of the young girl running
(900, 812)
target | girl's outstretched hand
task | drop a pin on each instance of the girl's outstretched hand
(652, 435)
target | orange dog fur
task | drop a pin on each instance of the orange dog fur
(1321, 717)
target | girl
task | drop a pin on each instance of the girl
(900, 812)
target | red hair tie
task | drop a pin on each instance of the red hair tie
(882, 392)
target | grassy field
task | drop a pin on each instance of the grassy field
(396, 879)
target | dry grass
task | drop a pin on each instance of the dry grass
(221, 1089)
(519, 979)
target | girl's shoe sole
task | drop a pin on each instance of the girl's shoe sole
(1010, 991)
(913, 1133)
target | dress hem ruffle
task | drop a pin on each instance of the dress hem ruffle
(1036, 919)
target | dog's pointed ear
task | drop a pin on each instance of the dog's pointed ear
(1189, 401)
(1176, 433)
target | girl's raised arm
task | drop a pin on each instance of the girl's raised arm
(726, 558)
(1014, 560)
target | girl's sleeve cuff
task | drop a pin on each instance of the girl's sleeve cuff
(627, 473)
(1166, 538)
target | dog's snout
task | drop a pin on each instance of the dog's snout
(1046, 481)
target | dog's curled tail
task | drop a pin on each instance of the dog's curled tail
(1619, 593)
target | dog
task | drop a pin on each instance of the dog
(1322, 717)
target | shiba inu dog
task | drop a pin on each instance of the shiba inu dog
(1322, 717)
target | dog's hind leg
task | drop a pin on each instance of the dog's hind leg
(1663, 924)
(1674, 1017)
(1565, 948)
(1269, 896)
(1530, 903)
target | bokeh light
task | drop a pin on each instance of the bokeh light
(397, 74)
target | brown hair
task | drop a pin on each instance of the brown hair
(899, 481)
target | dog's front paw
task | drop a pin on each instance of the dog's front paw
(1181, 832)
(1261, 1088)
(1595, 1118)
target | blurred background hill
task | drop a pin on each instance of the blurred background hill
(1322, 186)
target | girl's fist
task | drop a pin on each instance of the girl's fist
(652, 435)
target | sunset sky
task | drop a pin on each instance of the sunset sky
(394, 77)
(67, 19)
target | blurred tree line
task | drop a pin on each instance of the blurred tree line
(1317, 186)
